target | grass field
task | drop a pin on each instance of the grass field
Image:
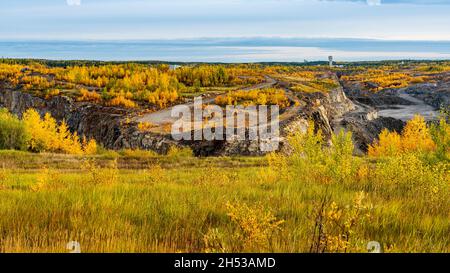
(326, 201)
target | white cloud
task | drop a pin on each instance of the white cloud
(74, 2)
(374, 2)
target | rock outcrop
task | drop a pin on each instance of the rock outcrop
(107, 125)
(436, 95)
(366, 131)
(326, 109)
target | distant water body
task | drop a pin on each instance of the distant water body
(228, 50)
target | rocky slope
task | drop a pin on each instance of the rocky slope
(107, 125)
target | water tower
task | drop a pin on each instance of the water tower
(330, 59)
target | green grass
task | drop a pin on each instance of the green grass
(11, 159)
(176, 207)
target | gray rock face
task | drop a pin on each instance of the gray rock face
(104, 124)
(327, 109)
(338, 103)
(366, 131)
(299, 123)
(436, 95)
(321, 121)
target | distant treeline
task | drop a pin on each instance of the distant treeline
(64, 63)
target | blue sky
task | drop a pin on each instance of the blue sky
(172, 19)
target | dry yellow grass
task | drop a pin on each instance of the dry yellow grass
(178, 203)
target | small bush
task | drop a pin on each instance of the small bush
(87, 95)
(51, 93)
(101, 176)
(441, 136)
(122, 101)
(13, 134)
(214, 241)
(256, 225)
(180, 152)
(335, 225)
(154, 174)
(89, 147)
(341, 161)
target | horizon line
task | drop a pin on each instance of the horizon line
(325, 61)
(217, 38)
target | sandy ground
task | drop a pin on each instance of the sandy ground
(407, 112)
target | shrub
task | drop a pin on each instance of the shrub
(256, 226)
(101, 176)
(335, 225)
(13, 134)
(389, 144)
(441, 136)
(86, 95)
(155, 173)
(89, 147)
(47, 136)
(40, 137)
(122, 101)
(307, 144)
(308, 158)
(416, 137)
(51, 93)
(341, 161)
(180, 152)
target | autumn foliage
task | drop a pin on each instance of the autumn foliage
(87, 95)
(38, 134)
(46, 135)
(270, 96)
(122, 101)
(383, 78)
(217, 75)
(12, 132)
(125, 85)
(416, 137)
